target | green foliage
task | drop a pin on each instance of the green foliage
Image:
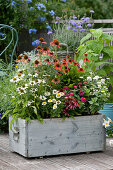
(94, 48)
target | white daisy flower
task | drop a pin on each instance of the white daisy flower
(55, 106)
(106, 123)
(89, 78)
(103, 81)
(49, 101)
(58, 102)
(99, 86)
(96, 78)
(55, 91)
(62, 93)
(35, 75)
(32, 83)
(58, 95)
(47, 93)
(44, 103)
(54, 100)
(14, 80)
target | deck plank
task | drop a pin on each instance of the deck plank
(93, 161)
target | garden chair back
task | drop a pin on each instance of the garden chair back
(14, 41)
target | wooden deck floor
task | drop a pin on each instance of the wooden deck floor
(91, 161)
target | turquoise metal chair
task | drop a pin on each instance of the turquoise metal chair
(14, 37)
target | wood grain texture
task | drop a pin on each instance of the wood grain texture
(55, 136)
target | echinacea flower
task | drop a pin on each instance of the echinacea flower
(85, 60)
(37, 63)
(57, 65)
(47, 60)
(81, 70)
(41, 40)
(55, 80)
(19, 58)
(55, 43)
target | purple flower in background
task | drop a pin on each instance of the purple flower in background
(13, 3)
(41, 7)
(42, 19)
(48, 27)
(57, 18)
(32, 30)
(52, 13)
(72, 22)
(69, 27)
(82, 18)
(1, 34)
(89, 25)
(56, 22)
(29, 1)
(75, 30)
(49, 32)
(83, 29)
(91, 11)
(31, 8)
(86, 19)
(0, 116)
(74, 17)
(79, 26)
(35, 44)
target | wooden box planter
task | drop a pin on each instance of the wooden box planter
(55, 137)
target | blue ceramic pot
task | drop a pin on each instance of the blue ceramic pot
(107, 110)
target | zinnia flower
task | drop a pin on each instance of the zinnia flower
(55, 80)
(66, 87)
(83, 99)
(81, 93)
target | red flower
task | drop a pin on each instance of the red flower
(68, 57)
(81, 93)
(84, 82)
(76, 53)
(76, 64)
(64, 59)
(83, 99)
(64, 63)
(75, 87)
(66, 87)
(81, 70)
(85, 60)
(72, 94)
(55, 43)
(80, 83)
(55, 80)
(85, 54)
(57, 65)
(47, 60)
(55, 61)
(70, 61)
(51, 54)
(19, 58)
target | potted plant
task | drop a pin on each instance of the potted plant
(56, 105)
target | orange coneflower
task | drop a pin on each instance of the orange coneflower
(51, 54)
(57, 65)
(55, 43)
(85, 54)
(85, 60)
(41, 40)
(76, 64)
(55, 80)
(47, 60)
(45, 49)
(68, 57)
(55, 61)
(37, 63)
(19, 58)
(64, 63)
(81, 70)
(26, 57)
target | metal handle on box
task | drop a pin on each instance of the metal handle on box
(16, 134)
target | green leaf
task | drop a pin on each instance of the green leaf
(97, 33)
(109, 51)
(87, 37)
(107, 38)
(35, 109)
(96, 46)
(6, 113)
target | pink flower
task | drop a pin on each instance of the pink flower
(75, 87)
(66, 88)
(81, 93)
(72, 94)
(84, 82)
(83, 99)
(67, 95)
(79, 83)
